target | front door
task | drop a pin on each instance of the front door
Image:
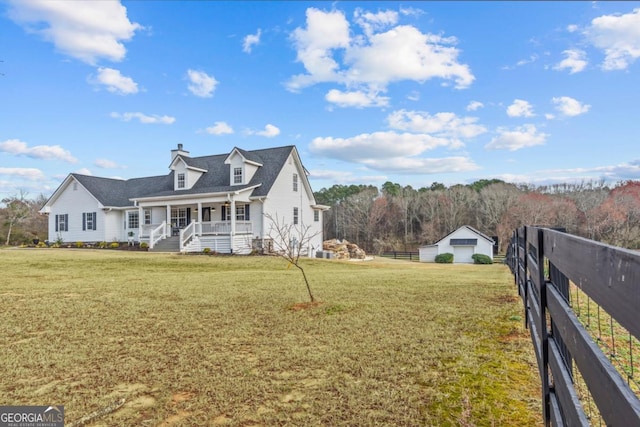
(180, 217)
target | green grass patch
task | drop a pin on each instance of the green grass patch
(193, 340)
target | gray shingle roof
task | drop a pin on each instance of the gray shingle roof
(117, 193)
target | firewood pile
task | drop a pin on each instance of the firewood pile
(343, 249)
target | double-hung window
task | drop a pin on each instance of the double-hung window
(181, 180)
(62, 222)
(316, 216)
(147, 216)
(295, 182)
(295, 216)
(133, 220)
(242, 213)
(237, 175)
(88, 221)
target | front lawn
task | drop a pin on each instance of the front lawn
(127, 338)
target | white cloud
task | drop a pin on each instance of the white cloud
(31, 174)
(83, 171)
(357, 99)
(115, 82)
(474, 105)
(529, 60)
(610, 173)
(107, 164)
(86, 30)
(201, 84)
(219, 128)
(377, 145)
(569, 106)
(443, 125)
(325, 31)
(417, 56)
(618, 36)
(143, 118)
(361, 63)
(520, 137)
(44, 152)
(392, 152)
(414, 96)
(572, 28)
(372, 22)
(420, 166)
(269, 131)
(344, 176)
(574, 61)
(250, 40)
(520, 108)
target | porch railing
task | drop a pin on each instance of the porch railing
(224, 227)
(157, 234)
(186, 234)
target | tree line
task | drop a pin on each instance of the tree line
(396, 217)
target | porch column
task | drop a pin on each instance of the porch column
(199, 227)
(140, 220)
(233, 222)
(167, 230)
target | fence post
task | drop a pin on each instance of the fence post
(544, 332)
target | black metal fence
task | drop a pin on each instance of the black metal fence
(411, 256)
(572, 289)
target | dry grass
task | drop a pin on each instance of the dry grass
(195, 340)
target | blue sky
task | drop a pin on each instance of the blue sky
(408, 92)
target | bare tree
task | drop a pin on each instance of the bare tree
(17, 209)
(289, 241)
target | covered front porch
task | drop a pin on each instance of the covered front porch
(223, 226)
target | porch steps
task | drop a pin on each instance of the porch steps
(170, 244)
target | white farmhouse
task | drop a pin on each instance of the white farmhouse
(221, 202)
(462, 243)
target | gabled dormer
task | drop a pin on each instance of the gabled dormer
(185, 175)
(242, 166)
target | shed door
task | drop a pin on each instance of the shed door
(462, 254)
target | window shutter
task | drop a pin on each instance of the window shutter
(66, 222)
(56, 223)
(223, 211)
(246, 213)
(84, 221)
(95, 218)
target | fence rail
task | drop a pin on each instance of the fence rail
(411, 256)
(547, 264)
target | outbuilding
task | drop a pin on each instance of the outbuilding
(463, 243)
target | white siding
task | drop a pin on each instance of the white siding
(282, 199)
(428, 253)
(192, 177)
(113, 226)
(462, 254)
(236, 162)
(74, 200)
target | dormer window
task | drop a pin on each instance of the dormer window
(181, 180)
(237, 175)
